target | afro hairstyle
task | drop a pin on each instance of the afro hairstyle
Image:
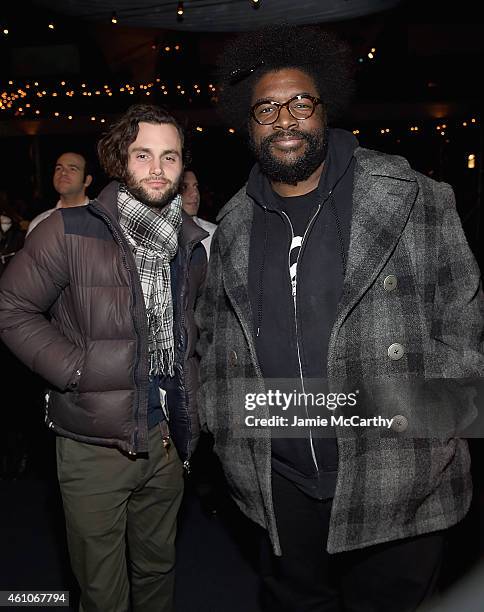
(315, 51)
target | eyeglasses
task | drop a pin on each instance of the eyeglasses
(300, 107)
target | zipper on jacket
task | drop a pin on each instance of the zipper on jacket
(47, 419)
(186, 463)
(294, 299)
(190, 247)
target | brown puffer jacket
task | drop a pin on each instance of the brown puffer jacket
(92, 346)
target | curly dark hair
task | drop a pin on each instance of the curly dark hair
(317, 52)
(113, 147)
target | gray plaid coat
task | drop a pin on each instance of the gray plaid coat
(403, 224)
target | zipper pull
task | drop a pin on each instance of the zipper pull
(165, 436)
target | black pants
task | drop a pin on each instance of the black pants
(391, 577)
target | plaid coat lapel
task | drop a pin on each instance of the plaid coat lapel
(382, 202)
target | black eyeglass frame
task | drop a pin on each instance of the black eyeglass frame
(315, 100)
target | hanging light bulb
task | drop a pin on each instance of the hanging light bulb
(179, 10)
(255, 3)
(114, 18)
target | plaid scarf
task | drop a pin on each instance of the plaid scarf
(153, 235)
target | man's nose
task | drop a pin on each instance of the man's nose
(285, 121)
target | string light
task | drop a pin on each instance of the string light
(114, 18)
(471, 161)
(255, 4)
(18, 101)
(51, 26)
(179, 10)
(5, 31)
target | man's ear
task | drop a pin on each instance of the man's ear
(87, 181)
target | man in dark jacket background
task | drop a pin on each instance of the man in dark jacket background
(335, 269)
(119, 279)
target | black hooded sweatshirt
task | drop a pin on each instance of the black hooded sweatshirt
(292, 333)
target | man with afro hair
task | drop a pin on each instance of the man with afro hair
(340, 273)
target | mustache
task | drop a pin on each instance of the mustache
(161, 177)
(287, 135)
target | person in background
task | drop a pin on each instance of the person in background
(190, 194)
(117, 351)
(72, 176)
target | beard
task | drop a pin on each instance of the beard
(156, 200)
(295, 170)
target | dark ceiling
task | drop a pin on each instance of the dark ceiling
(216, 15)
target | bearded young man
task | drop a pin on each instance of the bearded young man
(119, 278)
(339, 263)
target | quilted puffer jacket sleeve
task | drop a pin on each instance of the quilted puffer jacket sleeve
(31, 284)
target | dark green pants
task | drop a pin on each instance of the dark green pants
(116, 505)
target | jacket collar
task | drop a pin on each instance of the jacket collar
(369, 163)
(108, 200)
(190, 232)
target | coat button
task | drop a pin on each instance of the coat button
(400, 423)
(390, 282)
(396, 351)
(233, 358)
